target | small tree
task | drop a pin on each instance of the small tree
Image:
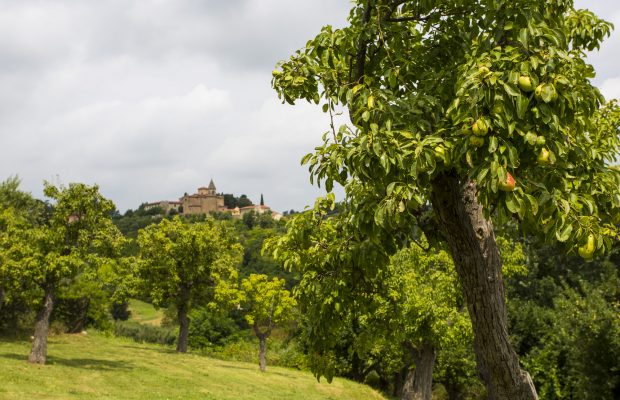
(267, 304)
(79, 237)
(183, 263)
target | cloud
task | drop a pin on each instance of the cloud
(611, 88)
(152, 98)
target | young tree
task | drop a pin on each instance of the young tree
(266, 304)
(79, 236)
(477, 108)
(183, 263)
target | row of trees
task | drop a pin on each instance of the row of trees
(400, 325)
(71, 240)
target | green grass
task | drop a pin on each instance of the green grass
(97, 367)
(145, 313)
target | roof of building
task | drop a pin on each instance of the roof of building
(212, 185)
(254, 207)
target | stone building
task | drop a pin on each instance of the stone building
(203, 202)
(165, 205)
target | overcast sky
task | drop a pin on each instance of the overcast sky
(153, 98)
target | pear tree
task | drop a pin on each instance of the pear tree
(77, 238)
(266, 304)
(182, 264)
(472, 111)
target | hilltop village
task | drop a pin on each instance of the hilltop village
(206, 200)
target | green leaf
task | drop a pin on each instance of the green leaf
(522, 105)
(564, 234)
(533, 203)
(493, 142)
(511, 90)
(511, 203)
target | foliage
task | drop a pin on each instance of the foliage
(211, 328)
(83, 303)
(231, 201)
(564, 322)
(175, 253)
(257, 262)
(422, 78)
(283, 350)
(79, 234)
(144, 333)
(184, 265)
(252, 219)
(266, 303)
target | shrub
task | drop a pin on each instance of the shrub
(208, 328)
(145, 333)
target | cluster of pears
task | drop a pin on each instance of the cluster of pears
(479, 129)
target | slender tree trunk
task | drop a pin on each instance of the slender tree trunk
(2, 294)
(183, 328)
(262, 352)
(477, 261)
(79, 322)
(454, 392)
(38, 354)
(182, 311)
(419, 382)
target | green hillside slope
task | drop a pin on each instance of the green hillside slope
(97, 367)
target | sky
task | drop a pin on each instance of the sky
(150, 99)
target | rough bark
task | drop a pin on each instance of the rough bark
(477, 261)
(182, 310)
(419, 382)
(262, 352)
(38, 354)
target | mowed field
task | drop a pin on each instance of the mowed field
(98, 367)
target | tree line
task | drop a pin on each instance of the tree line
(69, 244)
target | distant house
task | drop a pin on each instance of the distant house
(203, 202)
(165, 205)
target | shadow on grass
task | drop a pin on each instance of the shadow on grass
(163, 351)
(83, 363)
(256, 369)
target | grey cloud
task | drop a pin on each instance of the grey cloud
(151, 98)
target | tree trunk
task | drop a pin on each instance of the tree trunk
(81, 307)
(262, 352)
(1, 295)
(38, 354)
(477, 261)
(419, 382)
(183, 328)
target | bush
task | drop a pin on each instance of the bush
(280, 351)
(145, 333)
(120, 311)
(208, 328)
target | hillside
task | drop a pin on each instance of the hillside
(94, 366)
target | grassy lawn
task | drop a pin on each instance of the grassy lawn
(97, 367)
(145, 313)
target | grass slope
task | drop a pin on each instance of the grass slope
(97, 367)
(145, 313)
